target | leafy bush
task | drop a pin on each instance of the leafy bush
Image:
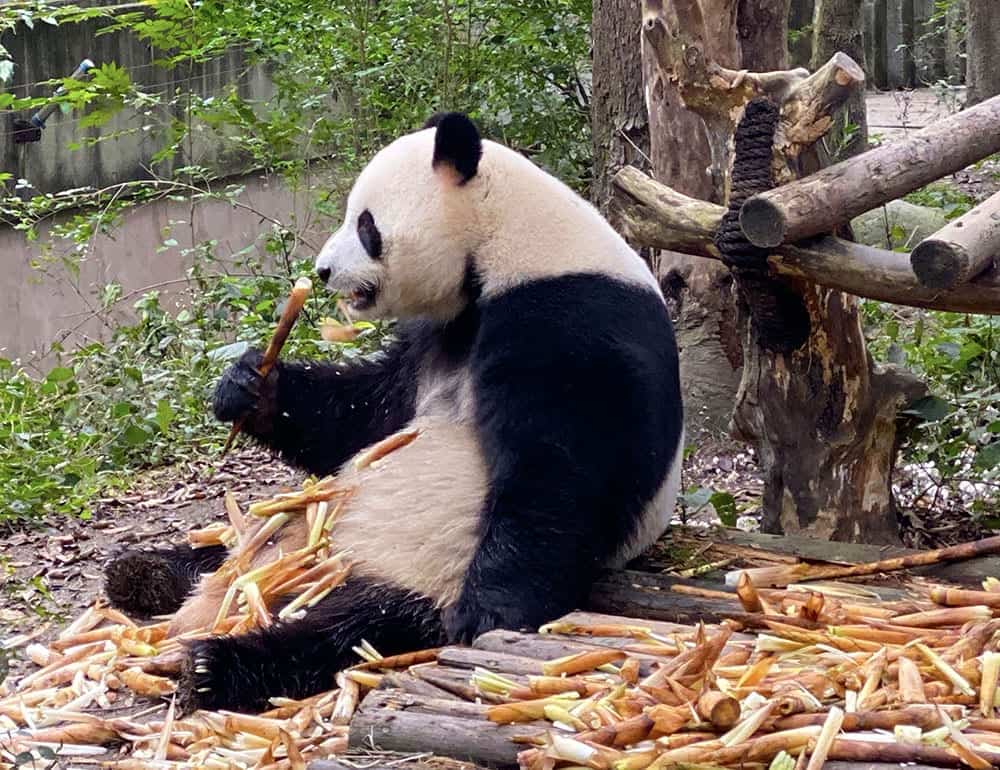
(954, 454)
(142, 398)
(348, 76)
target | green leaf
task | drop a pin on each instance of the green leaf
(697, 498)
(135, 435)
(229, 352)
(164, 414)
(725, 506)
(60, 374)
(988, 457)
(930, 408)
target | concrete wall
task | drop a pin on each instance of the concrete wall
(46, 52)
(40, 307)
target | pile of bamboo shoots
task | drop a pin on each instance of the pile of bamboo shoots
(833, 676)
(104, 659)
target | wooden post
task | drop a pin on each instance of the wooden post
(823, 201)
(960, 250)
(652, 214)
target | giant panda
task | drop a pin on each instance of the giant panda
(535, 356)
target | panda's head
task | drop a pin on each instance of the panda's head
(411, 225)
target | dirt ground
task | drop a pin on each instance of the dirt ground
(51, 571)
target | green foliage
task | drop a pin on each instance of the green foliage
(958, 435)
(952, 201)
(348, 76)
(141, 399)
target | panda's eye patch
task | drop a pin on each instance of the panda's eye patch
(369, 235)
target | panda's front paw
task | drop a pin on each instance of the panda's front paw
(217, 674)
(242, 392)
(476, 613)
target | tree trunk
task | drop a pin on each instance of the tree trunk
(982, 47)
(838, 25)
(820, 415)
(763, 28)
(619, 123)
(700, 291)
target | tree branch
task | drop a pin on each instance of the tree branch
(821, 202)
(652, 214)
(960, 250)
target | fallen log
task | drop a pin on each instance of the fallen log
(965, 572)
(821, 202)
(409, 731)
(783, 575)
(960, 250)
(652, 214)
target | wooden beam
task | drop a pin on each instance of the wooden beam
(652, 214)
(960, 250)
(821, 202)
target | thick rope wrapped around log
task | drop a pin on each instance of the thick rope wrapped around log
(779, 317)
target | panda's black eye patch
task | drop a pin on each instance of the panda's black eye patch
(369, 235)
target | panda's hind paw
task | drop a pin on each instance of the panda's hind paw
(216, 674)
(144, 583)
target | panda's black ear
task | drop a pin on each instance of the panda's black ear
(456, 144)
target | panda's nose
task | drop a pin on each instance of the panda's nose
(324, 274)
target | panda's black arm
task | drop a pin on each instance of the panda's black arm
(317, 415)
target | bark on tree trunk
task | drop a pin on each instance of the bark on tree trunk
(982, 45)
(700, 291)
(619, 123)
(763, 29)
(838, 25)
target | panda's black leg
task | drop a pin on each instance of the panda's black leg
(300, 658)
(145, 583)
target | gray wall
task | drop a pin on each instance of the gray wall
(40, 307)
(49, 165)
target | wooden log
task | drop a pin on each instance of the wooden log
(499, 662)
(966, 573)
(960, 250)
(405, 731)
(399, 680)
(652, 214)
(398, 700)
(832, 197)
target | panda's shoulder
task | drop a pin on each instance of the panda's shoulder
(578, 322)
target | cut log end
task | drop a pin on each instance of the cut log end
(940, 264)
(763, 224)
(846, 71)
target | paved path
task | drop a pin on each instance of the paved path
(893, 113)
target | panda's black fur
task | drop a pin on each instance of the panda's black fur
(578, 412)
